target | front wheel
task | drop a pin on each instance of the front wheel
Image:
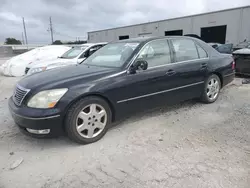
(211, 90)
(88, 120)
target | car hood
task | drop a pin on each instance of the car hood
(65, 77)
(60, 65)
(242, 51)
(15, 66)
(51, 62)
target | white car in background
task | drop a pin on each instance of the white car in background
(73, 56)
(16, 65)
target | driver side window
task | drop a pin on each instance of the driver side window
(83, 55)
(156, 53)
(90, 51)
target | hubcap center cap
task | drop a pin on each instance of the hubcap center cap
(213, 89)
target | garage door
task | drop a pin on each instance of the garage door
(215, 34)
(174, 33)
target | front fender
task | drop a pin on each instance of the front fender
(73, 96)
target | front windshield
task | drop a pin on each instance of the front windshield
(73, 52)
(112, 55)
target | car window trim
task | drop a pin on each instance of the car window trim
(195, 43)
(81, 54)
(179, 62)
(173, 60)
(176, 63)
(173, 63)
(86, 49)
(135, 57)
(196, 47)
(172, 54)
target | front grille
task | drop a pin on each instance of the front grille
(27, 70)
(19, 94)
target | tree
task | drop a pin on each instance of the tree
(57, 42)
(12, 41)
(77, 42)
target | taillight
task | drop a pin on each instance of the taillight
(233, 65)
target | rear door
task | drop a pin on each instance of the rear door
(189, 69)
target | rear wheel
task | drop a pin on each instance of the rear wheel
(88, 120)
(211, 89)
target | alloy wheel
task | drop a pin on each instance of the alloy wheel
(213, 88)
(91, 121)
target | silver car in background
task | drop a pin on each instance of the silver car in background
(75, 55)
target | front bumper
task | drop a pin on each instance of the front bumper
(37, 119)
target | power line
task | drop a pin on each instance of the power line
(25, 34)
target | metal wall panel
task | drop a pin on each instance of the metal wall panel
(237, 21)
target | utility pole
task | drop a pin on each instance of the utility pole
(25, 34)
(22, 39)
(51, 30)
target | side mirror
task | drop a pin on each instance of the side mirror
(138, 65)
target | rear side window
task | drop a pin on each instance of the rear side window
(184, 49)
(202, 52)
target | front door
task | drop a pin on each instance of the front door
(146, 89)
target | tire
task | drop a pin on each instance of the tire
(73, 117)
(206, 96)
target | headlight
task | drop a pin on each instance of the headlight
(36, 70)
(47, 98)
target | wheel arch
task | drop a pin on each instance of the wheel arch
(220, 77)
(111, 105)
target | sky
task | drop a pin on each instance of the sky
(74, 18)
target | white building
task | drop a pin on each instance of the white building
(225, 26)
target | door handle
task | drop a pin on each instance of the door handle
(203, 66)
(170, 72)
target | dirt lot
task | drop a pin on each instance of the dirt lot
(187, 145)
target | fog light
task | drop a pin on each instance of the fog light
(43, 131)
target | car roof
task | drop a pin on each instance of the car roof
(143, 40)
(150, 38)
(92, 44)
(88, 44)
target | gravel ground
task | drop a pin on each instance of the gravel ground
(187, 145)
